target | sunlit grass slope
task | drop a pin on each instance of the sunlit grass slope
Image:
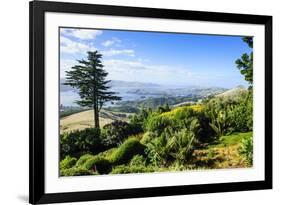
(84, 119)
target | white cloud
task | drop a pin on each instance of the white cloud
(143, 60)
(65, 65)
(114, 52)
(69, 46)
(83, 34)
(111, 42)
(108, 43)
(139, 71)
(121, 65)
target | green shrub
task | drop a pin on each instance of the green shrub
(173, 145)
(98, 164)
(126, 151)
(106, 154)
(83, 159)
(157, 123)
(246, 150)
(230, 115)
(184, 114)
(182, 144)
(67, 162)
(242, 115)
(116, 132)
(147, 137)
(206, 133)
(157, 151)
(81, 142)
(138, 160)
(220, 112)
(75, 171)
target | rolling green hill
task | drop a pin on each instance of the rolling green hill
(233, 93)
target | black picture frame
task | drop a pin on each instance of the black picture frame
(37, 10)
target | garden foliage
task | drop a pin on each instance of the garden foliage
(163, 139)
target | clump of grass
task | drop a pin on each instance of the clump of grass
(75, 171)
(125, 169)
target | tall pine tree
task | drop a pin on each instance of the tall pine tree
(89, 77)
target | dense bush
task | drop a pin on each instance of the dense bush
(138, 160)
(126, 151)
(183, 142)
(147, 137)
(157, 123)
(242, 114)
(183, 113)
(181, 117)
(246, 150)
(206, 133)
(173, 135)
(219, 115)
(75, 171)
(116, 132)
(67, 162)
(157, 151)
(173, 145)
(106, 154)
(77, 143)
(228, 115)
(83, 159)
(98, 164)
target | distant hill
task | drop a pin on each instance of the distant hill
(141, 88)
(120, 83)
(233, 93)
(198, 90)
(139, 94)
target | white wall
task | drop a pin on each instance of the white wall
(14, 100)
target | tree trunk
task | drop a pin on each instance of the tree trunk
(96, 116)
(96, 107)
(97, 122)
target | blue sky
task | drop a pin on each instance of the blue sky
(162, 58)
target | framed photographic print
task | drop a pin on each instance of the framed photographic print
(140, 102)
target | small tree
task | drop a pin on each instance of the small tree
(89, 78)
(245, 63)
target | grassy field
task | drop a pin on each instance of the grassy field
(84, 119)
(224, 153)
